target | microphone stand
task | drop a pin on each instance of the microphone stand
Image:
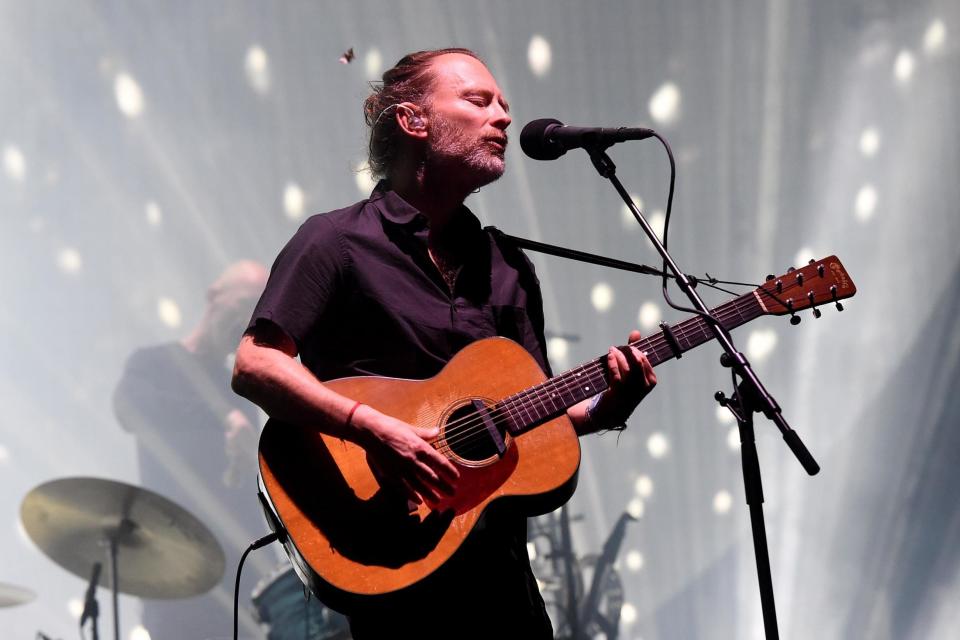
(751, 387)
(742, 404)
(91, 608)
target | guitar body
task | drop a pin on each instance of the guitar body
(351, 538)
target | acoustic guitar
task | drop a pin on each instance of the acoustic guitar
(502, 423)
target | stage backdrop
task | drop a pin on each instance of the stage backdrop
(148, 145)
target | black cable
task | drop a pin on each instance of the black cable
(256, 544)
(666, 227)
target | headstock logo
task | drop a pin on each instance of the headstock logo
(840, 275)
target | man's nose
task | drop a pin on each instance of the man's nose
(501, 119)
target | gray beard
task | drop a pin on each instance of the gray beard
(473, 161)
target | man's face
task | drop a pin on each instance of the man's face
(468, 118)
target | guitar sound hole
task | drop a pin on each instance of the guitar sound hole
(466, 434)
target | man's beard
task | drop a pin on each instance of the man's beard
(474, 161)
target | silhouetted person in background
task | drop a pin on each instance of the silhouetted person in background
(197, 442)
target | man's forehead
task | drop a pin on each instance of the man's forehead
(454, 70)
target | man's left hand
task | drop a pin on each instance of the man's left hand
(630, 378)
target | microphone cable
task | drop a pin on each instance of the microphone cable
(256, 544)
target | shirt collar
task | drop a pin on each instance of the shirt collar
(398, 211)
(394, 208)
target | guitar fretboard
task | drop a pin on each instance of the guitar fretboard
(550, 399)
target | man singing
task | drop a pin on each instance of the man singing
(396, 285)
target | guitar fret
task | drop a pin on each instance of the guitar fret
(554, 396)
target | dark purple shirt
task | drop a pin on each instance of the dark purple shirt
(356, 290)
(358, 293)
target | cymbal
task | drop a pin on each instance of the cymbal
(163, 551)
(12, 595)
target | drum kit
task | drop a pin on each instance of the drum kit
(151, 548)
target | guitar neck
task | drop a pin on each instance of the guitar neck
(550, 399)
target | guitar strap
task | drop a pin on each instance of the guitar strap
(570, 254)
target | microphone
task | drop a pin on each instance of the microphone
(90, 601)
(548, 139)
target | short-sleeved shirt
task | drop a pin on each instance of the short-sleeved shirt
(358, 293)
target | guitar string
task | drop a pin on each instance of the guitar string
(463, 429)
(593, 370)
(471, 426)
(724, 311)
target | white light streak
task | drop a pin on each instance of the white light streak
(139, 632)
(649, 316)
(903, 67)
(373, 64)
(153, 214)
(664, 104)
(869, 142)
(722, 502)
(635, 508)
(657, 445)
(658, 220)
(558, 350)
(256, 66)
(365, 181)
(634, 560)
(628, 613)
(169, 313)
(75, 608)
(724, 416)
(601, 296)
(733, 438)
(69, 260)
(643, 486)
(761, 343)
(293, 201)
(627, 215)
(539, 56)
(803, 256)
(128, 94)
(866, 202)
(935, 37)
(14, 163)
(531, 551)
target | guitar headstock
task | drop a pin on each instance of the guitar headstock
(819, 282)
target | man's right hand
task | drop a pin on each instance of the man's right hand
(401, 455)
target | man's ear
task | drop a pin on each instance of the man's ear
(411, 120)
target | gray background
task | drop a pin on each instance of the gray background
(789, 114)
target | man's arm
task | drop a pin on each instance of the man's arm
(630, 378)
(267, 373)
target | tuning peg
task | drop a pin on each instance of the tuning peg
(800, 278)
(811, 261)
(791, 269)
(816, 313)
(794, 319)
(833, 293)
(770, 277)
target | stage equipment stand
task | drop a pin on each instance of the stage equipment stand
(761, 400)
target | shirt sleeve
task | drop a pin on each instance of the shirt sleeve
(304, 280)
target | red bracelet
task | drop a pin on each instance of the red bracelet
(350, 415)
